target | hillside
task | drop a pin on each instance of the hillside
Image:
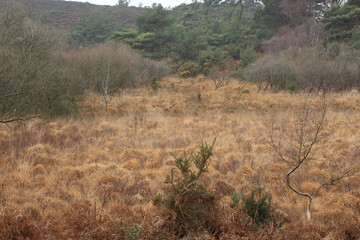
(63, 15)
(197, 14)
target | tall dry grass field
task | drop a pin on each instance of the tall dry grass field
(95, 177)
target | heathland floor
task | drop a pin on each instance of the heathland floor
(94, 177)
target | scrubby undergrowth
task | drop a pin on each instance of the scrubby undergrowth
(96, 177)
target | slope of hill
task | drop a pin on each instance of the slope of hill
(64, 15)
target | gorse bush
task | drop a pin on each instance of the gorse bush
(155, 84)
(128, 232)
(187, 197)
(157, 199)
(257, 204)
(188, 69)
(235, 198)
(248, 56)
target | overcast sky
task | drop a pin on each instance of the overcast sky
(164, 3)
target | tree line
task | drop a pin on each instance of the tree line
(40, 76)
(230, 33)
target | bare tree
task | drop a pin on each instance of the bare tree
(112, 71)
(293, 141)
(34, 78)
(105, 83)
(220, 78)
(25, 51)
(107, 68)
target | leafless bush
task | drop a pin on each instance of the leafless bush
(21, 56)
(39, 78)
(328, 69)
(294, 37)
(147, 69)
(104, 69)
(220, 78)
(313, 69)
(110, 67)
(33, 81)
(296, 11)
(275, 71)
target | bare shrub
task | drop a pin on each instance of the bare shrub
(103, 69)
(33, 78)
(147, 69)
(220, 78)
(25, 50)
(315, 73)
(110, 67)
(310, 33)
(322, 69)
(296, 11)
(315, 68)
(275, 71)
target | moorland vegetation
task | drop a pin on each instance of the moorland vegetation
(213, 120)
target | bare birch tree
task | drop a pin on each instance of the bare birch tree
(293, 140)
(109, 70)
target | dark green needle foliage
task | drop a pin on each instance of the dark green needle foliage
(257, 204)
(193, 204)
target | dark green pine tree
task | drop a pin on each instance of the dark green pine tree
(343, 23)
(92, 30)
(153, 35)
(271, 15)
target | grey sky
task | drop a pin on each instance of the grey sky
(164, 3)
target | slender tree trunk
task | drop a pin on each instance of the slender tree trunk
(308, 213)
(106, 88)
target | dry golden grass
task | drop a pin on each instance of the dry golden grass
(89, 178)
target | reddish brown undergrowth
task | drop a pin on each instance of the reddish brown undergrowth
(95, 178)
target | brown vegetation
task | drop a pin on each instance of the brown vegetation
(95, 178)
(312, 69)
(39, 77)
(63, 15)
